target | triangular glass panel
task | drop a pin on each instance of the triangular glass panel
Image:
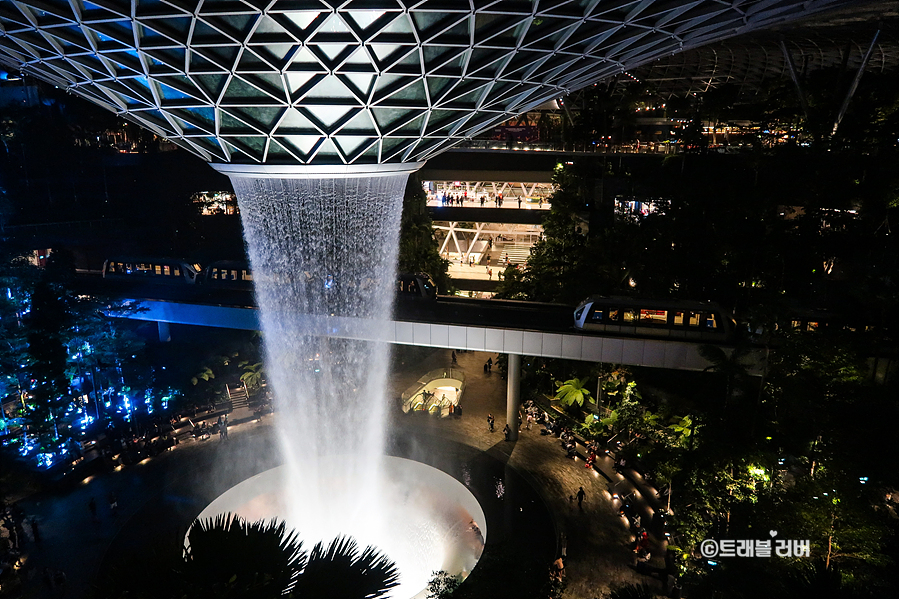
(330, 87)
(302, 144)
(361, 124)
(230, 124)
(264, 117)
(369, 156)
(332, 51)
(392, 146)
(277, 153)
(296, 81)
(350, 143)
(388, 118)
(200, 64)
(360, 56)
(329, 115)
(424, 20)
(412, 93)
(334, 24)
(238, 88)
(361, 81)
(303, 55)
(236, 25)
(401, 24)
(302, 19)
(221, 55)
(212, 84)
(327, 150)
(383, 51)
(295, 120)
(413, 127)
(267, 25)
(363, 18)
(170, 93)
(437, 85)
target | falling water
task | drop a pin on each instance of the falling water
(326, 247)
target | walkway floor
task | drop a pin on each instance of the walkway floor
(599, 542)
(508, 203)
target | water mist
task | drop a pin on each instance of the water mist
(322, 248)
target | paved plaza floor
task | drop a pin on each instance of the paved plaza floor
(166, 491)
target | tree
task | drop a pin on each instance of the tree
(443, 584)
(227, 556)
(573, 392)
(419, 250)
(253, 375)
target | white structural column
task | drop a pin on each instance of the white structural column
(513, 394)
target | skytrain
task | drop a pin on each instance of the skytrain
(657, 318)
(232, 274)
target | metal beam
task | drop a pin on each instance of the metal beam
(788, 58)
(855, 82)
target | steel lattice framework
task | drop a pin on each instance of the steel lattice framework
(329, 82)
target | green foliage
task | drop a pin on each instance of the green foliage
(572, 392)
(230, 557)
(253, 375)
(204, 375)
(419, 250)
(443, 584)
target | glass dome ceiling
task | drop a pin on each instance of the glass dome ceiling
(350, 81)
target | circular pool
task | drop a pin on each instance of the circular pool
(424, 520)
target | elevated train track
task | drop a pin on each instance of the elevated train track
(511, 327)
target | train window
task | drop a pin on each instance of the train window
(177, 271)
(795, 324)
(654, 317)
(630, 315)
(247, 275)
(595, 315)
(678, 319)
(711, 320)
(426, 285)
(167, 270)
(413, 287)
(693, 319)
(579, 312)
(158, 269)
(811, 327)
(612, 314)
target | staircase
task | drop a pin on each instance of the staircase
(518, 253)
(238, 397)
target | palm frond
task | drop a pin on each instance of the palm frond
(340, 571)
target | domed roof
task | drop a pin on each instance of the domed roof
(350, 81)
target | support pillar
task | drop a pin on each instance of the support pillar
(165, 333)
(513, 394)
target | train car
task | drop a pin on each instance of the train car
(229, 274)
(415, 286)
(167, 271)
(654, 318)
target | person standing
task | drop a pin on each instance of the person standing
(454, 356)
(490, 421)
(35, 531)
(507, 431)
(581, 496)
